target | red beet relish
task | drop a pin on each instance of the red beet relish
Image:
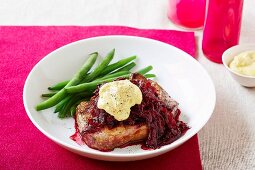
(164, 125)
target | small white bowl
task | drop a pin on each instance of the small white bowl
(228, 56)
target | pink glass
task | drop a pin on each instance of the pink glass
(187, 13)
(222, 27)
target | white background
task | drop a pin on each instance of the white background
(228, 140)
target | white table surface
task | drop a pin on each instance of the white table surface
(228, 139)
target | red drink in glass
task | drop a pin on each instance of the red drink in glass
(187, 13)
(222, 27)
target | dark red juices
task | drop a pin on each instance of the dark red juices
(76, 136)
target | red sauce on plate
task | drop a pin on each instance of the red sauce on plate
(77, 136)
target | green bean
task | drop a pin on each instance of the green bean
(116, 65)
(52, 101)
(83, 87)
(97, 71)
(117, 74)
(66, 109)
(127, 67)
(48, 94)
(91, 85)
(74, 106)
(73, 110)
(61, 104)
(59, 86)
(149, 75)
(145, 70)
(73, 103)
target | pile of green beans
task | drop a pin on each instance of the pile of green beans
(66, 95)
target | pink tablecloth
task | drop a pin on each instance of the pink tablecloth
(22, 145)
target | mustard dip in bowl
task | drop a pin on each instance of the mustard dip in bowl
(240, 62)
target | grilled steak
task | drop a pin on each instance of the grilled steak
(154, 122)
(107, 138)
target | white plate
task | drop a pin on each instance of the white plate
(177, 72)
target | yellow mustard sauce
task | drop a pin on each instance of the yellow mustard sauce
(117, 97)
(244, 63)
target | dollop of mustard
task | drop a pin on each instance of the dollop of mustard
(117, 97)
(244, 63)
